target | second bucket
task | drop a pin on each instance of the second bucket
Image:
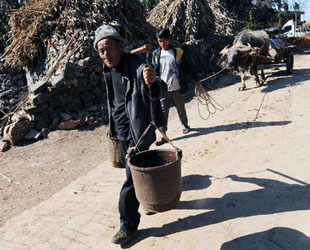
(157, 178)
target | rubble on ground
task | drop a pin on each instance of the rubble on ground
(53, 42)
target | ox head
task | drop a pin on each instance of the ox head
(235, 55)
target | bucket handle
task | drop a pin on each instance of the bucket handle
(132, 150)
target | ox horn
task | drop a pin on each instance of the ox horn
(245, 49)
(224, 51)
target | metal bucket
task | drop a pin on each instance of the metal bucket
(157, 178)
(115, 152)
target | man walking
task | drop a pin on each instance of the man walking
(129, 83)
(169, 65)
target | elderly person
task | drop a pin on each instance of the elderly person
(129, 83)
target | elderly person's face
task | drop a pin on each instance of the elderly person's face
(110, 51)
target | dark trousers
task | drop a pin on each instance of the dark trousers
(175, 98)
(128, 204)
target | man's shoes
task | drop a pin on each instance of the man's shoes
(149, 213)
(123, 237)
(161, 141)
(186, 129)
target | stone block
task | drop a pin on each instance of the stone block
(35, 109)
(87, 97)
(15, 132)
(32, 134)
(38, 99)
(69, 124)
(39, 87)
(58, 81)
(57, 100)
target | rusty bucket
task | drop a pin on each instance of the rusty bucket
(115, 152)
(157, 178)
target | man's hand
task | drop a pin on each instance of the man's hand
(149, 75)
(197, 84)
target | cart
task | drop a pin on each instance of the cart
(280, 51)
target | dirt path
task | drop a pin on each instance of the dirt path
(245, 175)
(43, 168)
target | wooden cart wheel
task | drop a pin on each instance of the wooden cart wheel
(289, 63)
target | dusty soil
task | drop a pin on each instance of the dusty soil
(41, 169)
(245, 175)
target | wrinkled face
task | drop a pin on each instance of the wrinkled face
(234, 58)
(163, 43)
(110, 51)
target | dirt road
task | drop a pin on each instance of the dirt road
(245, 179)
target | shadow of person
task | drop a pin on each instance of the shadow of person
(195, 182)
(276, 238)
(272, 197)
(230, 127)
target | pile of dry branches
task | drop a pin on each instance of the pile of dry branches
(203, 27)
(303, 42)
(188, 20)
(225, 23)
(33, 25)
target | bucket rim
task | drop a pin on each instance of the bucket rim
(178, 158)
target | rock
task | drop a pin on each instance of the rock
(69, 124)
(17, 117)
(35, 109)
(57, 100)
(32, 134)
(54, 123)
(58, 81)
(38, 87)
(4, 146)
(65, 117)
(16, 131)
(38, 99)
(86, 97)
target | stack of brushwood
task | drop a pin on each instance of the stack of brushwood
(52, 41)
(202, 27)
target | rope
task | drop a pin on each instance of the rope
(204, 98)
(209, 77)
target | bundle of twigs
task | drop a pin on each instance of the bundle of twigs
(33, 25)
(187, 19)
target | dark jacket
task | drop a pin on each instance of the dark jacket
(137, 100)
(184, 68)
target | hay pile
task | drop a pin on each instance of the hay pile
(226, 24)
(186, 19)
(53, 42)
(303, 42)
(202, 27)
(35, 27)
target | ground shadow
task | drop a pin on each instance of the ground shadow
(271, 197)
(230, 127)
(298, 76)
(195, 182)
(276, 238)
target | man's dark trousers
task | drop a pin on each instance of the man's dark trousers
(128, 204)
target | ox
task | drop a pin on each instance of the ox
(249, 50)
